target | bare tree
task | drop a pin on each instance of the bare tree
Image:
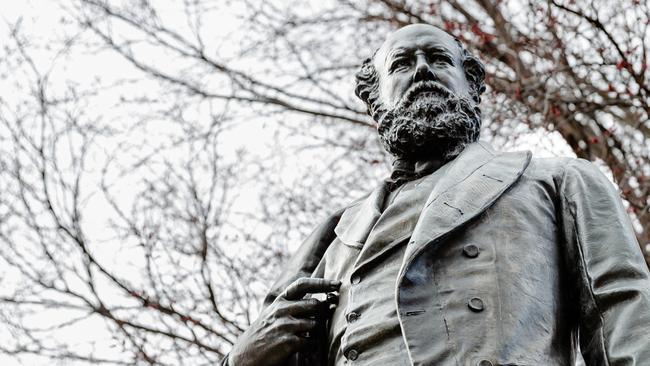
(578, 69)
(147, 217)
(136, 236)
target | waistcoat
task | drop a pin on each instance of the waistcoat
(365, 328)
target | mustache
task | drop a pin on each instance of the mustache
(423, 86)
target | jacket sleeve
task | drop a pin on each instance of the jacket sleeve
(303, 262)
(307, 257)
(613, 283)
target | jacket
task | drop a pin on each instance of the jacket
(513, 261)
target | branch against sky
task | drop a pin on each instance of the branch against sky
(159, 160)
(157, 276)
(581, 71)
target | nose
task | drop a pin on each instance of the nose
(423, 71)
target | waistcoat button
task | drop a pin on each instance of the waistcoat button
(476, 305)
(352, 354)
(352, 317)
(355, 279)
(470, 250)
(484, 363)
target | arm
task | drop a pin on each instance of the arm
(272, 337)
(307, 257)
(613, 283)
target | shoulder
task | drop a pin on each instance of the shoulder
(566, 166)
(580, 175)
(566, 177)
(554, 166)
(566, 170)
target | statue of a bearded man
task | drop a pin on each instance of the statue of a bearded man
(464, 255)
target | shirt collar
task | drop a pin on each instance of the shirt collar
(405, 170)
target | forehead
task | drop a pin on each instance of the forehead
(414, 37)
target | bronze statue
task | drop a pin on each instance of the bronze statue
(465, 255)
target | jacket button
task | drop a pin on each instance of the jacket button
(352, 354)
(485, 363)
(352, 317)
(355, 279)
(476, 305)
(470, 250)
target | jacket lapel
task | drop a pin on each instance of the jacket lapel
(357, 221)
(476, 179)
(397, 222)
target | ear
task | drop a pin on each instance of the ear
(366, 79)
(367, 88)
(475, 74)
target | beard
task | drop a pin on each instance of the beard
(429, 123)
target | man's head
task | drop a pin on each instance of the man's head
(423, 89)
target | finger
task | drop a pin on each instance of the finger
(303, 286)
(301, 307)
(292, 341)
(283, 346)
(297, 325)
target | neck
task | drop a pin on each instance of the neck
(428, 165)
(420, 167)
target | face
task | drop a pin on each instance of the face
(426, 110)
(419, 53)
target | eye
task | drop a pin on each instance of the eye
(441, 59)
(400, 63)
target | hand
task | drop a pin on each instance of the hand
(276, 333)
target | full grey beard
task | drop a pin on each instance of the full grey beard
(430, 125)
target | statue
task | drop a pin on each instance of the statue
(464, 255)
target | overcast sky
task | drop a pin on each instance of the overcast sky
(44, 20)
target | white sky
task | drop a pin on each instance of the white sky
(43, 18)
